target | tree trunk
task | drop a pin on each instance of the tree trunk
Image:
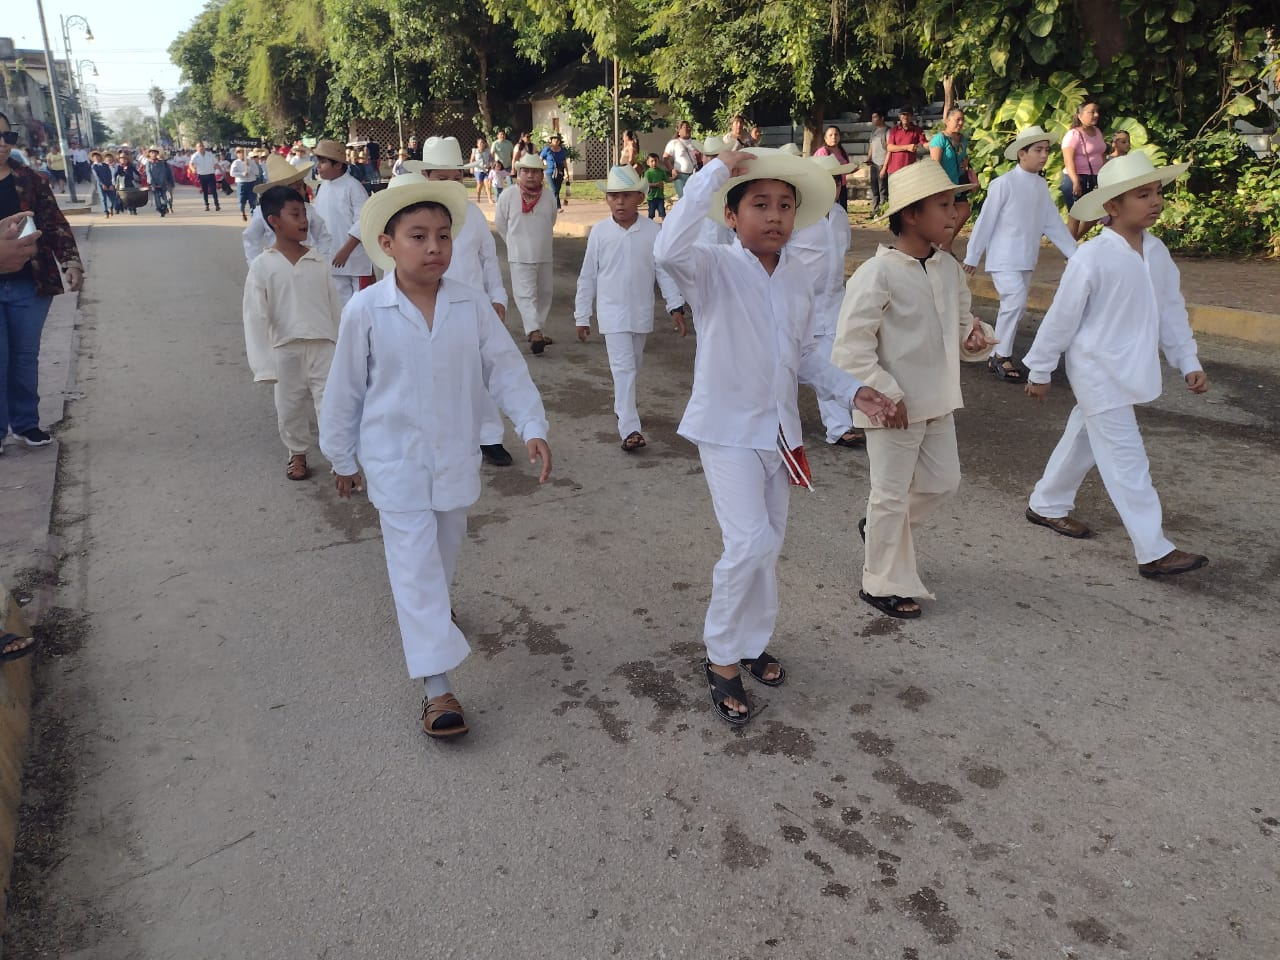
(813, 124)
(482, 91)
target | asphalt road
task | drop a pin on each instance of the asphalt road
(1059, 760)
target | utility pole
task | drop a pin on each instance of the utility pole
(57, 110)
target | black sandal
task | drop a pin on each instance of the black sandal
(862, 529)
(723, 688)
(25, 651)
(890, 605)
(760, 664)
(1011, 373)
(852, 438)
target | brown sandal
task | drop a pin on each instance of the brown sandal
(1067, 526)
(297, 467)
(442, 717)
(635, 440)
(538, 341)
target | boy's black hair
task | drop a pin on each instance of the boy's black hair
(652, 156)
(390, 228)
(273, 202)
(736, 193)
(895, 219)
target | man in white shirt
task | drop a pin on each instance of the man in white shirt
(877, 154)
(204, 166)
(244, 172)
(681, 156)
(339, 200)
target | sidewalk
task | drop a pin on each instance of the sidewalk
(1228, 298)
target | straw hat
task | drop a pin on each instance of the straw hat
(442, 153)
(1025, 138)
(791, 150)
(404, 191)
(833, 166)
(924, 178)
(280, 173)
(330, 150)
(713, 146)
(622, 180)
(414, 166)
(529, 161)
(1120, 175)
(815, 190)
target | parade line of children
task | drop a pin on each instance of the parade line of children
(407, 379)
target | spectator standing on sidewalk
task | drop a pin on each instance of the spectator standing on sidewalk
(681, 156)
(878, 154)
(904, 144)
(27, 292)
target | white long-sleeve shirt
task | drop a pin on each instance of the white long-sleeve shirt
(527, 235)
(257, 236)
(338, 202)
(244, 171)
(618, 273)
(901, 328)
(475, 257)
(755, 331)
(1016, 213)
(406, 401)
(286, 301)
(1113, 312)
(821, 247)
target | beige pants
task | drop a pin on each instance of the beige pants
(531, 285)
(912, 472)
(302, 367)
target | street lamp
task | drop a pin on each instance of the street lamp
(53, 88)
(75, 20)
(86, 116)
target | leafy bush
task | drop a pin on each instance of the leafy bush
(1243, 221)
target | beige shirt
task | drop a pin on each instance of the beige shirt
(900, 331)
(286, 301)
(527, 235)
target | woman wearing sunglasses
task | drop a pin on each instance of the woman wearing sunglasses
(27, 292)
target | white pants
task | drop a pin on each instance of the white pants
(1013, 287)
(749, 490)
(302, 367)
(836, 415)
(422, 553)
(346, 286)
(626, 355)
(913, 471)
(531, 285)
(1110, 440)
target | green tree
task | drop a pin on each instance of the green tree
(132, 126)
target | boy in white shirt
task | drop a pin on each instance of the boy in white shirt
(904, 327)
(1016, 213)
(416, 357)
(475, 263)
(339, 199)
(257, 236)
(754, 306)
(291, 315)
(525, 218)
(1119, 303)
(618, 273)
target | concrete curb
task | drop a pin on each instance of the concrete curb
(15, 716)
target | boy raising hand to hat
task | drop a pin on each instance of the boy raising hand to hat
(754, 306)
(1118, 304)
(416, 357)
(904, 326)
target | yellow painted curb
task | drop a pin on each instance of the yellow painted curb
(1263, 328)
(15, 714)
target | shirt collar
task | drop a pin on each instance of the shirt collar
(385, 293)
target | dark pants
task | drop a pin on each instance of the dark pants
(247, 196)
(22, 316)
(209, 188)
(556, 184)
(658, 208)
(879, 188)
(842, 193)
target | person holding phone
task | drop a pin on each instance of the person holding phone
(28, 288)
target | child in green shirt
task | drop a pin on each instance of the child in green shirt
(657, 176)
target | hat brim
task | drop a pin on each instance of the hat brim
(261, 188)
(412, 188)
(529, 163)
(1021, 143)
(908, 200)
(1091, 205)
(815, 189)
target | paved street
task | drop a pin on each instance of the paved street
(1060, 760)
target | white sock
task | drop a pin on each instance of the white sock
(436, 685)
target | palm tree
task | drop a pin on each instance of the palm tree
(157, 97)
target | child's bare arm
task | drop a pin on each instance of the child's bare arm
(539, 451)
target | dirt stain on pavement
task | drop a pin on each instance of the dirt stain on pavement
(913, 698)
(931, 796)
(612, 724)
(737, 852)
(868, 742)
(813, 857)
(851, 842)
(539, 638)
(1093, 931)
(778, 738)
(932, 913)
(987, 777)
(793, 834)
(881, 627)
(834, 889)
(646, 682)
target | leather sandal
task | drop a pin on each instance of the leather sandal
(892, 606)
(1009, 373)
(635, 440)
(726, 688)
(760, 665)
(297, 468)
(1067, 526)
(442, 717)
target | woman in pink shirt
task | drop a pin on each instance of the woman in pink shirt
(1084, 150)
